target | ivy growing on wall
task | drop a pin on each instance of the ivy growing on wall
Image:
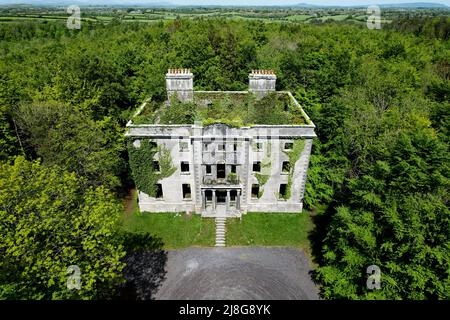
(142, 153)
(266, 167)
(294, 155)
(165, 163)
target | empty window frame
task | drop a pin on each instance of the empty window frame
(258, 146)
(208, 169)
(221, 147)
(184, 167)
(288, 146)
(283, 190)
(255, 190)
(221, 196)
(235, 147)
(186, 191)
(208, 195)
(233, 195)
(184, 146)
(286, 167)
(257, 166)
(159, 191)
(221, 171)
(155, 166)
(233, 168)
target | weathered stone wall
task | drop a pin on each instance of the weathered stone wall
(272, 140)
(181, 83)
(172, 200)
(261, 82)
(274, 131)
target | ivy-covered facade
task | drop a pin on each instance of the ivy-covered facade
(216, 169)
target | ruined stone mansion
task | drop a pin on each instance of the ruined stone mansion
(221, 169)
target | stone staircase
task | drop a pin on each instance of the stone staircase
(220, 231)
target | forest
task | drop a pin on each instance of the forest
(378, 183)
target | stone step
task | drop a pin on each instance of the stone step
(220, 231)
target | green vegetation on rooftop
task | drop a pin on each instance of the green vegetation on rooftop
(232, 108)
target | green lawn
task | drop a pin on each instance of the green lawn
(255, 229)
(270, 229)
(176, 230)
(179, 230)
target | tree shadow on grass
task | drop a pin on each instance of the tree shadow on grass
(321, 220)
(145, 266)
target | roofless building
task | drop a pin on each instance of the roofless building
(221, 153)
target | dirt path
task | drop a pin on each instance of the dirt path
(129, 203)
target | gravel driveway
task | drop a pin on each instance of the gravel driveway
(237, 273)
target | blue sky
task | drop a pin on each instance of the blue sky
(283, 2)
(241, 2)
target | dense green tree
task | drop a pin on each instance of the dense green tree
(50, 221)
(8, 139)
(379, 99)
(64, 136)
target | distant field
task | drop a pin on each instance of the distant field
(41, 18)
(104, 15)
(300, 17)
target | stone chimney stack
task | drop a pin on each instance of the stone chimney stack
(262, 82)
(181, 83)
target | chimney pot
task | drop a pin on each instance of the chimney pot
(262, 82)
(180, 81)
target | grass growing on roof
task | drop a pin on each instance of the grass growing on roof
(234, 109)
